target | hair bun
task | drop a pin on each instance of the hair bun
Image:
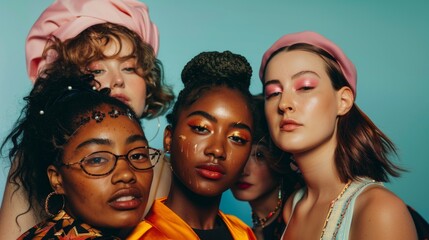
(217, 67)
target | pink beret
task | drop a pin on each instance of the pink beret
(317, 40)
(65, 19)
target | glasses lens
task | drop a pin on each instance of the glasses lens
(154, 156)
(98, 163)
(140, 158)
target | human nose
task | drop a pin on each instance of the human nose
(116, 80)
(286, 104)
(123, 171)
(216, 148)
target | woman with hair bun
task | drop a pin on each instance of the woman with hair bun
(209, 139)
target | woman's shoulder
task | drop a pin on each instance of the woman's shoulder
(289, 204)
(379, 213)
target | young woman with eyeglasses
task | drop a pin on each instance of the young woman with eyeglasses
(116, 41)
(85, 158)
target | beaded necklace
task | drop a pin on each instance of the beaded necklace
(260, 222)
(331, 206)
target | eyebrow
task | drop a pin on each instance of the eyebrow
(108, 142)
(296, 75)
(273, 81)
(135, 138)
(213, 119)
(241, 126)
(204, 114)
(97, 141)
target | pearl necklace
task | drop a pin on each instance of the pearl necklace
(331, 207)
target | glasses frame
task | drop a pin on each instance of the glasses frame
(117, 157)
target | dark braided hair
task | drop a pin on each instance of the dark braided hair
(208, 70)
(53, 112)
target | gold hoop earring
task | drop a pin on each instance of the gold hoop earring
(47, 203)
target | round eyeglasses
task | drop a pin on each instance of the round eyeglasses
(104, 162)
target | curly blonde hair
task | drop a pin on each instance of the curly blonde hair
(88, 46)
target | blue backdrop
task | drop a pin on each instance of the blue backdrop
(387, 40)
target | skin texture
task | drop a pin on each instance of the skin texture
(302, 110)
(94, 199)
(122, 75)
(257, 181)
(209, 148)
(258, 186)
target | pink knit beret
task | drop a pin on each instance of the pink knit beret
(317, 40)
(65, 19)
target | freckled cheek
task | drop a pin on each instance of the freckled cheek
(82, 191)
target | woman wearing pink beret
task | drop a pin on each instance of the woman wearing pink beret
(310, 89)
(117, 42)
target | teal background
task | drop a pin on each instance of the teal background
(387, 40)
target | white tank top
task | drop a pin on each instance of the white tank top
(339, 223)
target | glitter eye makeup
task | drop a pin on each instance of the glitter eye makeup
(199, 125)
(306, 83)
(241, 137)
(272, 89)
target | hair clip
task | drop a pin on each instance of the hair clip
(98, 116)
(130, 114)
(114, 113)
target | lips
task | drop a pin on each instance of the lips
(121, 97)
(243, 185)
(211, 171)
(126, 199)
(289, 125)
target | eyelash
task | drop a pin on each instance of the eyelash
(95, 71)
(238, 139)
(130, 69)
(306, 88)
(274, 94)
(199, 129)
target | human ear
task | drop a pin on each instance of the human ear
(167, 138)
(345, 100)
(55, 179)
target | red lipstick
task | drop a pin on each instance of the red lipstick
(211, 171)
(243, 185)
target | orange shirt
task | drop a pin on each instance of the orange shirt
(162, 223)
